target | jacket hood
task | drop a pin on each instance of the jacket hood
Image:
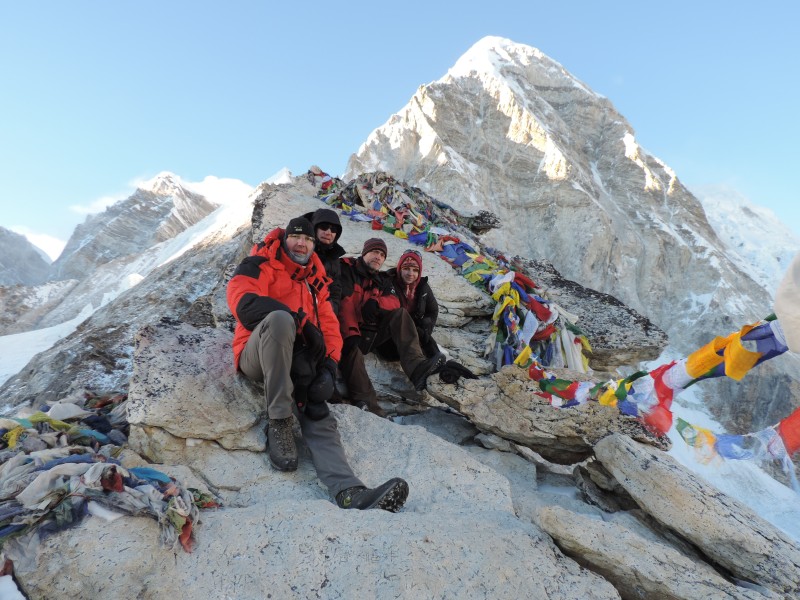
(408, 290)
(325, 215)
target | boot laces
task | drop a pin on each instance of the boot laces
(284, 435)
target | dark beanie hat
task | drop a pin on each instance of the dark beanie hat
(374, 244)
(300, 225)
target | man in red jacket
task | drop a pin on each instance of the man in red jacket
(287, 337)
(371, 318)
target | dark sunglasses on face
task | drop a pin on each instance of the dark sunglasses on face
(329, 227)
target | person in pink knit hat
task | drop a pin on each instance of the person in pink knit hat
(416, 296)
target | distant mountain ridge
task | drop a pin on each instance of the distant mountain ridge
(20, 261)
(129, 227)
(114, 250)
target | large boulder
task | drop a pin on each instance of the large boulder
(638, 563)
(726, 531)
(190, 371)
(506, 404)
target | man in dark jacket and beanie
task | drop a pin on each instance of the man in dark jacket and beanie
(287, 336)
(417, 298)
(328, 230)
(370, 317)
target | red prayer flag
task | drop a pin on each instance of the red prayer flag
(789, 430)
(185, 538)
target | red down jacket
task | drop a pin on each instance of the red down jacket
(359, 286)
(269, 280)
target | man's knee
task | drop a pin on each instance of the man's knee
(398, 314)
(401, 323)
(280, 325)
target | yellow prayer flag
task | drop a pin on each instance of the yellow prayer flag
(501, 291)
(499, 310)
(608, 397)
(738, 359)
(40, 417)
(12, 437)
(706, 358)
(523, 357)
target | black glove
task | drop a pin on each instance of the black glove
(422, 335)
(371, 311)
(354, 341)
(453, 371)
(331, 366)
(315, 343)
(320, 391)
(427, 325)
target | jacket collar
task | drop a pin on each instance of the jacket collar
(334, 250)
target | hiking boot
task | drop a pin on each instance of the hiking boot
(434, 364)
(282, 448)
(390, 496)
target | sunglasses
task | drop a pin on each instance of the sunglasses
(329, 227)
(417, 252)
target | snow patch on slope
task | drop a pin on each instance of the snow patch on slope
(754, 237)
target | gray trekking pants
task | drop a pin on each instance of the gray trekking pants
(267, 358)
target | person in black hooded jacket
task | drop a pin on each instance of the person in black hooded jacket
(328, 230)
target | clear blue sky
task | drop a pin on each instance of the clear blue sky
(96, 95)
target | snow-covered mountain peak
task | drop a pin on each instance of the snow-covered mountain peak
(158, 210)
(282, 176)
(494, 59)
(491, 55)
(511, 131)
(163, 184)
(219, 191)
